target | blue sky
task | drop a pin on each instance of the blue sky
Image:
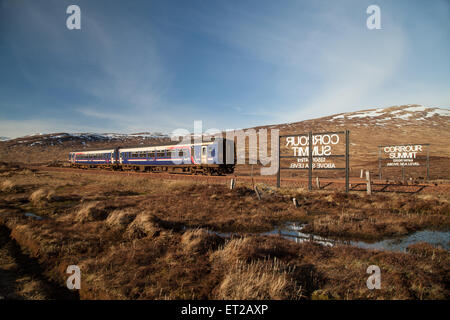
(159, 65)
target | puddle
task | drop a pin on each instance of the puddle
(293, 231)
(32, 215)
(435, 238)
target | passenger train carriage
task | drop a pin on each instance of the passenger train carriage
(197, 158)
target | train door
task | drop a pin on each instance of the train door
(193, 155)
(204, 155)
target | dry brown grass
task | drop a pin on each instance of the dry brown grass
(9, 186)
(91, 211)
(142, 226)
(259, 280)
(42, 195)
(199, 241)
(139, 238)
(121, 218)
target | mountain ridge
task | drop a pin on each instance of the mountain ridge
(368, 128)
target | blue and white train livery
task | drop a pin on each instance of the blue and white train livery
(215, 157)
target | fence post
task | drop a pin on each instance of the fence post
(279, 168)
(317, 182)
(362, 174)
(379, 163)
(310, 160)
(369, 186)
(232, 184)
(295, 202)
(257, 193)
(347, 160)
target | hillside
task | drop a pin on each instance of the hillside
(368, 129)
(408, 124)
(45, 148)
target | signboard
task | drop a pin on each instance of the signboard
(407, 155)
(323, 153)
(402, 155)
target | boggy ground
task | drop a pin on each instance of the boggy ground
(145, 238)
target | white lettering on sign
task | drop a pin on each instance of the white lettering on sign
(321, 146)
(403, 155)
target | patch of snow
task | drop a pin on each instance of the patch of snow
(341, 116)
(385, 119)
(404, 116)
(415, 109)
(439, 112)
(370, 114)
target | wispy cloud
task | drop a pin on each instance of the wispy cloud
(230, 64)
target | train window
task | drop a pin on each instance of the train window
(180, 153)
(151, 154)
(143, 155)
(160, 154)
(212, 152)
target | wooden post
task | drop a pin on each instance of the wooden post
(369, 186)
(295, 202)
(362, 174)
(232, 182)
(347, 160)
(380, 174)
(310, 160)
(428, 163)
(279, 162)
(257, 193)
(317, 182)
(253, 181)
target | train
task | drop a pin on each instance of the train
(208, 158)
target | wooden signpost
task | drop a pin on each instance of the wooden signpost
(307, 155)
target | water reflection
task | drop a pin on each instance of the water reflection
(293, 231)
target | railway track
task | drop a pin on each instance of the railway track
(357, 184)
